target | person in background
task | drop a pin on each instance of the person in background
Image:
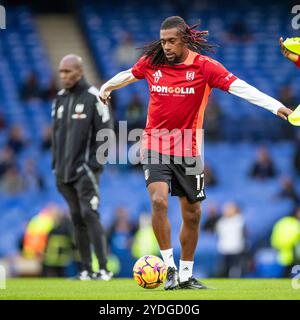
(288, 99)
(230, 230)
(32, 178)
(263, 167)
(59, 252)
(3, 123)
(239, 31)
(78, 116)
(144, 241)
(288, 190)
(212, 120)
(30, 89)
(296, 159)
(213, 217)
(285, 238)
(7, 159)
(135, 113)
(210, 177)
(16, 140)
(126, 54)
(12, 182)
(50, 92)
(46, 140)
(120, 236)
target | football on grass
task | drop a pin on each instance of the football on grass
(149, 272)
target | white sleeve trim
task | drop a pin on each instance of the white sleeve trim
(120, 80)
(244, 90)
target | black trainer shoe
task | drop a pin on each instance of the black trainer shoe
(172, 279)
(192, 283)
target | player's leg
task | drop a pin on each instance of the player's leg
(189, 234)
(158, 192)
(88, 195)
(188, 184)
(80, 228)
(158, 176)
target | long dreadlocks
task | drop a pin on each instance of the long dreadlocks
(195, 40)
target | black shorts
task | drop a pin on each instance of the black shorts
(184, 176)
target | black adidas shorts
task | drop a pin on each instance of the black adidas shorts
(184, 176)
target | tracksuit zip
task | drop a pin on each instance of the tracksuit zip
(69, 120)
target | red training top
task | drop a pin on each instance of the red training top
(178, 98)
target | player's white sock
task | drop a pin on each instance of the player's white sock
(185, 270)
(168, 258)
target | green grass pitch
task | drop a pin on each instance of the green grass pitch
(127, 289)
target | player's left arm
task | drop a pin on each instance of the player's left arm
(217, 76)
(244, 90)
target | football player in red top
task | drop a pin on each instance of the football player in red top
(180, 79)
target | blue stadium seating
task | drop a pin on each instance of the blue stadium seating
(259, 62)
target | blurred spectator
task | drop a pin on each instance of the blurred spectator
(16, 140)
(288, 190)
(212, 120)
(239, 31)
(287, 96)
(210, 178)
(120, 237)
(59, 251)
(50, 92)
(297, 154)
(263, 167)
(212, 219)
(285, 239)
(144, 240)
(46, 140)
(11, 182)
(126, 53)
(288, 99)
(7, 160)
(135, 113)
(48, 242)
(30, 89)
(32, 179)
(2, 122)
(230, 230)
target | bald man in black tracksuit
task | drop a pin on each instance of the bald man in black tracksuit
(77, 117)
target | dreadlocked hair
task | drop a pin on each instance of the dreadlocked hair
(194, 39)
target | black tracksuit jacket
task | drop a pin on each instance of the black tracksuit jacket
(77, 117)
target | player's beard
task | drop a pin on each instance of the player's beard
(175, 61)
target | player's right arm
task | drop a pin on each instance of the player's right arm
(120, 80)
(124, 78)
(288, 54)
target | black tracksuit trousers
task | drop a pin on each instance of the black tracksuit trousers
(82, 197)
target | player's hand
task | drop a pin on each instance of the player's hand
(105, 101)
(288, 54)
(284, 112)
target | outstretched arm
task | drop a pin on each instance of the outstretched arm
(244, 90)
(120, 80)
